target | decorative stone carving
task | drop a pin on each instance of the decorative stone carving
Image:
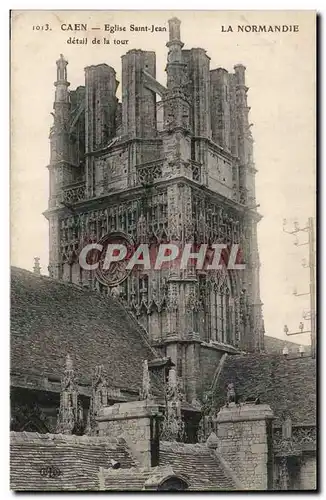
(116, 273)
(145, 392)
(74, 194)
(172, 297)
(173, 426)
(230, 394)
(70, 417)
(149, 173)
(284, 474)
(300, 438)
(99, 398)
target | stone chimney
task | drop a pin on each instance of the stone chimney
(137, 422)
(244, 434)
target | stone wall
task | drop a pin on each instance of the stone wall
(219, 171)
(220, 107)
(138, 102)
(243, 442)
(101, 103)
(308, 473)
(132, 422)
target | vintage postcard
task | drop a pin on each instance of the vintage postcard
(163, 280)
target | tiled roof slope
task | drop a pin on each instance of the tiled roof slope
(198, 464)
(50, 319)
(78, 458)
(126, 480)
(274, 345)
(287, 385)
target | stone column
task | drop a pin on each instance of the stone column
(54, 247)
(244, 437)
(192, 376)
(135, 422)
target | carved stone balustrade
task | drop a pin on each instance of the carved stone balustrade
(149, 172)
(74, 193)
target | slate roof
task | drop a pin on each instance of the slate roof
(274, 345)
(78, 458)
(198, 464)
(137, 479)
(286, 384)
(125, 480)
(50, 319)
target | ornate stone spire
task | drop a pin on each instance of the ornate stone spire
(99, 398)
(145, 393)
(142, 229)
(173, 425)
(70, 417)
(62, 84)
(174, 44)
(37, 267)
(61, 68)
(176, 100)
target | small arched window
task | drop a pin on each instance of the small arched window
(173, 484)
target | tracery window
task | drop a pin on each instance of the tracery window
(218, 306)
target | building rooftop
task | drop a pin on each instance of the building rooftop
(51, 318)
(78, 462)
(198, 463)
(288, 384)
(74, 461)
(274, 345)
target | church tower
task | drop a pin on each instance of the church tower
(188, 179)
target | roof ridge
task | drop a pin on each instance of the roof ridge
(142, 331)
(176, 447)
(67, 284)
(280, 340)
(140, 328)
(227, 470)
(36, 437)
(109, 333)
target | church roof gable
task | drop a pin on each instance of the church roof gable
(50, 319)
(286, 384)
(198, 464)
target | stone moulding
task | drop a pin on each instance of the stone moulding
(244, 412)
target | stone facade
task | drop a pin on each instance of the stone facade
(244, 442)
(308, 473)
(180, 170)
(134, 422)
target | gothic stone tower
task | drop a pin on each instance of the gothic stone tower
(176, 169)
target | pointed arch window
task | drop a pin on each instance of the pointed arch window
(221, 313)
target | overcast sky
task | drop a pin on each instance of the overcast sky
(281, 77)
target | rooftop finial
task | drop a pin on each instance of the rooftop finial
(172, 378)
(69, 364)
(62, 68)
(145, 392)
(70, 417)
(174, 29)
(37, 268)
(230, 394)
